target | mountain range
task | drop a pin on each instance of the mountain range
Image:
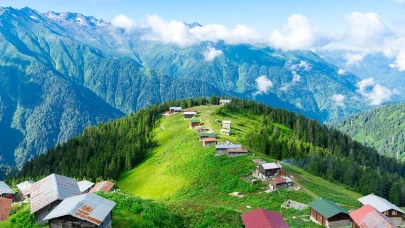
(62, 72)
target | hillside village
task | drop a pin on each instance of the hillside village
(61, 201)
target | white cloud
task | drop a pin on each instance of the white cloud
(341, 71)
(339, 99)
(211, 53)
(298, 33)
(364, 29)
(375, 93)
(353, 58)
(399, 61)
(263, 85)
(217, 32)
(122, 21)
(302, 65)
(400, 1)
(296, 77)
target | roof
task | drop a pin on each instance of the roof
(84, 185)
(327, 208)
(191, 110)
(226, 122)
(189, 113)
(51, 188)
(209, 139)
(5, 208)
(272, 165)
(229, 146)
(5, 189)
(261, 218)
(207, 134)
(367, 216)
(25, 187)
(195, 121)
(380, 204)
(89, 207)
(224, 101)
(281, 180)
(237, 150)
(225, 130)
(176, 108)
(104, 186)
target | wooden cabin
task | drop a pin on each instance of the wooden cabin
(175, 109)
(85, 186)
(209, 142)
(83, 211)
(6, 191)
(189, 115)
(24, 190)
(191, 110)
(329, 214)
(105, 186)
(226, 124)
(384, 206)
(225, 132)
(235, 152)
(268, 170)
(206, 135)
(261, 218)
(49, 192)
(280, 182)
(224, 101)
(223, 148)
(5, 208)
(194, 124)
(368, 216)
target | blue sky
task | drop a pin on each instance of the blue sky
(263, 15)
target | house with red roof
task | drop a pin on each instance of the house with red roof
(105, 186)
(261, 218)
(368, 216)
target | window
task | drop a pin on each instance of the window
(394, 212)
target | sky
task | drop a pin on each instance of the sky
(262, 15)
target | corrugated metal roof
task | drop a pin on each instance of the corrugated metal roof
(226, 122)
(225, 130)
(261, 218)
(176, 108)
(229, 146)
(272, 165)
(195, 121)
(224, 101)
(104, 186)
(51, 188)
(327, 208)
(84, 185)
(367, 216)
(207, 134)
(281, 180)
(5, 189)
(89, 207)
(25, 187)
(380, 204)
(191, 110)
(189, 113)
(5, 208)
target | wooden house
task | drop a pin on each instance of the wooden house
(367, 216)
(224, 101)
(235, 152)
(279, 182)
(226, 124)
(189, 115)
(24, 190)
(329, 214)
(268, 170)
(209, 142)
(194, 124)
(382, 205)
(191, 110)
(105, 186)
(223, 148)
(225, 132)
(206, 135)
(85, 186)
(49, 192)
(5, 208)
(175, 109)
(6, 191)
(261, 218)
(83, 211)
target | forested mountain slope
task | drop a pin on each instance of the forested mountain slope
(382, 128)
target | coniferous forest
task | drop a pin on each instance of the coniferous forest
(105, 150)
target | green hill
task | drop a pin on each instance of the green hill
(382, 128)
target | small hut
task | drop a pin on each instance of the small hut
(235, 152)
(223, 148)
(226, 124)
(224, 101)
(194, 124)
(280, 182)
(209, 142)
(175, 109)
(206, 135)
(189, 115)
(225, 132)
(6, 191)
(328, 213)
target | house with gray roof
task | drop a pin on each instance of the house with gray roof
(223, 148)
(328, 213)
(384, 206)
(268, 170)
(224, 101)
(82, 211)
(85, 186)
(175, 109)
(6, 191)
(49, 192)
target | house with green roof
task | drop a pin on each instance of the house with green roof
(329, 214)
(194, 123)
(207, 135)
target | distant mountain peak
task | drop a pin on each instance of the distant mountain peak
(192, 25)
(77, 18)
